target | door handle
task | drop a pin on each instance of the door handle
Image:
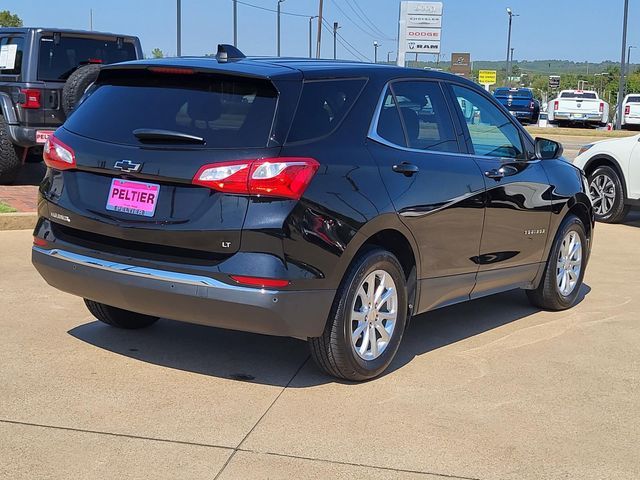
(499, 173)
(407, 169)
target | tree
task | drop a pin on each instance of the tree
(157, 53)
(7, 19)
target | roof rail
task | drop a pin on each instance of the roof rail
(228, 52)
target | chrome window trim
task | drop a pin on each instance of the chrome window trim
(144, 272)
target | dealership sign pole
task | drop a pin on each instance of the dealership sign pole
(419, 28)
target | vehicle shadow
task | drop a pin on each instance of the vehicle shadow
(633, 218)
(275, 360)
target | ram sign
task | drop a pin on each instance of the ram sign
(419, 28)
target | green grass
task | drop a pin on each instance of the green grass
(4, 208)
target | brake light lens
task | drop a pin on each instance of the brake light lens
(172, 70)
(627, 110)
(58, 155)
(40, 242)
(532, 105)
(259, 281)
(31, 98)
(285, 177)
(556, 104)
(601, 107)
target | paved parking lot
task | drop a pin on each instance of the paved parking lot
(492, 389)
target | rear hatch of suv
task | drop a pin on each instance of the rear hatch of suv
(138, 140)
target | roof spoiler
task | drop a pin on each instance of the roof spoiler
(228, 52)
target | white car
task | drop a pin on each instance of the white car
(578, 106)
(631, 110)
(613, 169)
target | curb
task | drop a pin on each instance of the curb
(18, 221)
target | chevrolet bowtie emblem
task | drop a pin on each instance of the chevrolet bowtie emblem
(128, 166)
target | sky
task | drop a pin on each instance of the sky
(578, 30)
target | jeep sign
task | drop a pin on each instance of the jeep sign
(419, 28)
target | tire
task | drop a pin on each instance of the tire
(76, 85)
(117, 317)
(334, 352)
(10, 162)
(607, 194)
(550, 294)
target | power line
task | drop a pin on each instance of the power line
(363, 16)
(369, 33)
(345, 43)
(271, 9)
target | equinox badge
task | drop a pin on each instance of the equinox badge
(128, 166)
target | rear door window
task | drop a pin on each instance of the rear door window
(226, 111)
(59, 59)
(425, 116)
(322, 107)
(11, 52)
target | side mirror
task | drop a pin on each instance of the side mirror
(547, 149)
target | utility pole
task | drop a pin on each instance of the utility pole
(319, 43)
(235, 23)
(178, 28)
(335, 37)
(622, 65)
(279, 2)
(311, 34)
(629, 59)
(375, 52)
(511, 15)
(91, 19)
(389, 57)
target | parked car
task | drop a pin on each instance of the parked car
(299, 198)
(43, 75)
(578, 107)
(613, 169)
(631, 111)
(520, 102)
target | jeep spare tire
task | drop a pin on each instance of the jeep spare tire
(76, 85)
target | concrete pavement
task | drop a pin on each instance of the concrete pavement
(491, 389)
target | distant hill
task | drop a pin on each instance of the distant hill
(548, 67)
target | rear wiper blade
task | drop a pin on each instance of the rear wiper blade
(155, 135)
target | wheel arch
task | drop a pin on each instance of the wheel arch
(604, 159)
(7, 110)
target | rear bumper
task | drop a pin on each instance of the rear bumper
(26, 136)
(631, 121)
(572, 117)
(185, 297)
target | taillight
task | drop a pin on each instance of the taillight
(601, 107)
(58, 155)
(627, 110)
(40, 242)
(172, 70)
(31, 98)
(285, 177)
(532, 105)
(556, 104)
(260, 281)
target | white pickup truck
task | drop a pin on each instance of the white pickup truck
(578, 106)
(631, 111)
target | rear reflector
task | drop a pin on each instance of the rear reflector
(260, 282)
(58, 155)
(40, 242)
(284, 177)
(31, 98)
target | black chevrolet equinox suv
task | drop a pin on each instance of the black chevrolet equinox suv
(322, 200)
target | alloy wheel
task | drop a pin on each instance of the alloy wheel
(373, 315)
(569, 263)
(603, 194)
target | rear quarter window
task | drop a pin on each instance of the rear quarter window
(322, 107)
(226, 111)
(11, 53)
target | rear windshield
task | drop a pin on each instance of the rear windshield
(580, 95)
(227, 112)
(58, 60)
(516, 92)
(322, 106)
(633, 99)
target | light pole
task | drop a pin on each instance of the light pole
(279, 2)
(311, 33)
(622, 65)
(629, 59)
(178, 28)
(335, 38)
(389, 57)
(511, 15)
(235, 23)
(375, 52)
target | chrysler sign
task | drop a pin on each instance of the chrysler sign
(419, 28)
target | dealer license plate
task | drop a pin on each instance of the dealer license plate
(136, 198)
